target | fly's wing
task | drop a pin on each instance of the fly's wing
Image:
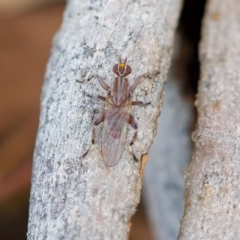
(114, 132)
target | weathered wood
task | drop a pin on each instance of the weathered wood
(212, 180)
(81, 198)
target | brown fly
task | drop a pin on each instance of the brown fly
(117, 113)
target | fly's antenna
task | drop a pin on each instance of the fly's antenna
(123, 58)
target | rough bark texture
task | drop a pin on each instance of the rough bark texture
(213, 176)
(163, 187)
(81, 198)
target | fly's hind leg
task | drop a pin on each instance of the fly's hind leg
(134, 124)
(140, 103)
(97, 122)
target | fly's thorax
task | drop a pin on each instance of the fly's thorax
(120, 90)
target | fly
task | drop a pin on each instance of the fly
(117, 113)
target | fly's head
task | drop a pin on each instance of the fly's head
(119, 91)
(122, 69)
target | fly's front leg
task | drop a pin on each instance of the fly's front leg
(146, 75)
(133, 87)
(97, 122)
(134, 124)
(100, 80)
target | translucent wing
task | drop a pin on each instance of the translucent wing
(114, 132)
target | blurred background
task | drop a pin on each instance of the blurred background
(26, 31)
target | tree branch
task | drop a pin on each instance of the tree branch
(212, 177)
(81, 198)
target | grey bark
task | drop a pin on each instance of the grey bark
(81, 198)
(212, 179)
(163, 187)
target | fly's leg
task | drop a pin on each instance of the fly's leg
(97, 122)
(146, 75)
(134, 124)
(135, 84)
(101, 98)
(98, 96)
(100, 80)
(140, 103)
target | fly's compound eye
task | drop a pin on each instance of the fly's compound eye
(115, 69)
(127, 71)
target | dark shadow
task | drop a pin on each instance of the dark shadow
(190, 27)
